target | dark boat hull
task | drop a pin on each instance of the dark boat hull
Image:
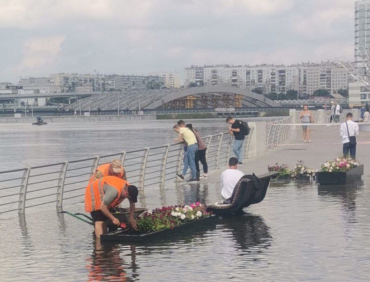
(39, 123)
(122, 236)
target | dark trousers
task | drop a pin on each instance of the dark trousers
(347, 147)
(200, 156)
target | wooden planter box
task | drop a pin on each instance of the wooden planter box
(281, 177)
(340, 178)
(122, 236)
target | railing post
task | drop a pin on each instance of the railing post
(208, 145)
(219, 151)
(247, 143)
(143, 167)
(123, 156)
(23, 192)
(229, 150)
(60, 191)
(163, 165)
(95, 165)
(179, 159)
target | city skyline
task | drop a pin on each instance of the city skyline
(124, 37)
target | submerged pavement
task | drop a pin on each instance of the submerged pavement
(325, 146)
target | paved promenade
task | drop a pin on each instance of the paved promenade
(325, 146)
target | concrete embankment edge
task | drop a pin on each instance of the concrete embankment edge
(50, 119)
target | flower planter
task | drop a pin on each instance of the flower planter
(340, 178)
(126, 236)
(123, 216)
(281, 177)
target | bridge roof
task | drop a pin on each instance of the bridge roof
(211, 90)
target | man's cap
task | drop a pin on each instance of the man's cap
(133, 192)
(116, 166)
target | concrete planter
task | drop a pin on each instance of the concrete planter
(340, 178)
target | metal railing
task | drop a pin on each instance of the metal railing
(278, 132)
(66, 181)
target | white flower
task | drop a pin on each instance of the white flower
(199, 214)
(183, 216)
(174, 214)
(185, 210)
(192, 216)
(177, 209)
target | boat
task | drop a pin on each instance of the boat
(39, 121)
(248, 191)
(130, 236)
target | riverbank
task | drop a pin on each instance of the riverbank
(60, 119)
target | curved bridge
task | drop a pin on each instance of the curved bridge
(212, 97)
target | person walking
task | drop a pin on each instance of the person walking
(185, 134)
(236, 129)
(306, 118)
(349, 130)
(200, 156)
(336, 112)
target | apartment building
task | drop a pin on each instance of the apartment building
(170, 79)
(305, 78)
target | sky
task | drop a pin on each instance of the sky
(41, 37)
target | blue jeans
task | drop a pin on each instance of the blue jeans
(238, 149)
(189, 160)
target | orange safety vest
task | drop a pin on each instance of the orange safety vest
(94, 192)
(104, 169)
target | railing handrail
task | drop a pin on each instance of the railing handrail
(146, 169)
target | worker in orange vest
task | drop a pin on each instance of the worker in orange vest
(104, 194)
(114, 168)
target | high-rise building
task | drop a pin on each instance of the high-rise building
(362, 33)
(305, 78)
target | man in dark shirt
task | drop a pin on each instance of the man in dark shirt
(236, 128)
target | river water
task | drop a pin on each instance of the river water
(298, 233)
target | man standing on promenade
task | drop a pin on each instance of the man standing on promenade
(236, 129)
(349, 130)
(185, 134)
(200, 156)
(229, 179)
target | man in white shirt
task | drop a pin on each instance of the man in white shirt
(229, 178)
(349, 129)
(336, 112)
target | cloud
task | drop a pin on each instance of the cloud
(40, 53)
(129, 36)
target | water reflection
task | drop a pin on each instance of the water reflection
(192, 193)
(106, 263)
(346, 194)
(248, 231)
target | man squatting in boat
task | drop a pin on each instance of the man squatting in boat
(107, 188)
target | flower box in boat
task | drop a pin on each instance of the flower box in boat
(340, 177)
(127, 236)
(123, 215)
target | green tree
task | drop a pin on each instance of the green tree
(321, 93)
(257, 90)
(291, 95)
(343, 92)
(272, 96)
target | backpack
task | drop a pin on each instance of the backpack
(245, 127)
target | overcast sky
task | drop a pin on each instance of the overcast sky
(40, 37)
